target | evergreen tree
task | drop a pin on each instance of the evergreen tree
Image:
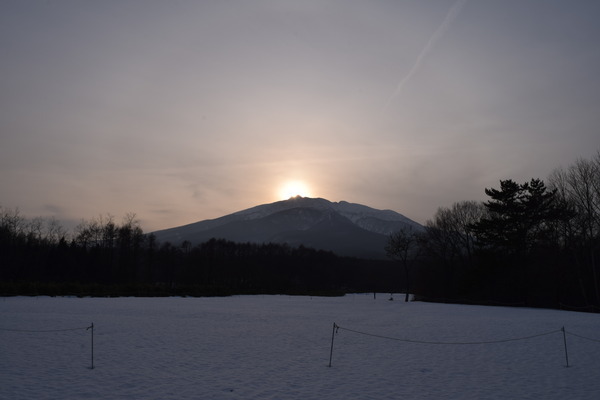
(520, 216)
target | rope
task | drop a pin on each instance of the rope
(43, 331)
(449, 343)
(583, 337)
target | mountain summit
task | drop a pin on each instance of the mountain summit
(347, 229)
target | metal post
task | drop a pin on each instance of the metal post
(92, 328)
(332, 337)
(565, 341)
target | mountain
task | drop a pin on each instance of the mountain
(345, 228)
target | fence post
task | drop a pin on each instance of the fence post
(92, 328)
(332, 337)
(565, 342)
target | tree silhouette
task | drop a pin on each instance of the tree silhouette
(519, 216)
(404, 247)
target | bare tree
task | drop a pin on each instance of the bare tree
(579, 187)
(54, 231)
(449, 238)
(12, 222)
(450, 234)
(404, 247)
(34, 228)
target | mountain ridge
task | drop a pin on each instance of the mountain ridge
(347, 229)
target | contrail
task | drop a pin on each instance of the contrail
(437, 35)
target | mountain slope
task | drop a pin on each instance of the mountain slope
(344, 228)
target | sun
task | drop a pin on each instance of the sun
(294, 188)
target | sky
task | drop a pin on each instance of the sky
(181, 111)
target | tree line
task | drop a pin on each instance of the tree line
(530, 244)
(105, 258)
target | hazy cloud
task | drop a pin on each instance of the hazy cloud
(182, 111)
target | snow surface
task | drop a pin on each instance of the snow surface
(278, 347)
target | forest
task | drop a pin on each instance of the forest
(104, 258)
(532, 244)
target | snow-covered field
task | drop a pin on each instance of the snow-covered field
(278, 347)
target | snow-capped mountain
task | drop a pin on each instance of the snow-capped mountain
(344, 228)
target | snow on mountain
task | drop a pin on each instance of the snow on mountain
(352, 211)
(342, 227)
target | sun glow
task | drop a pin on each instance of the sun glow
(293, 189)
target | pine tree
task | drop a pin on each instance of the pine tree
(520, 216)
